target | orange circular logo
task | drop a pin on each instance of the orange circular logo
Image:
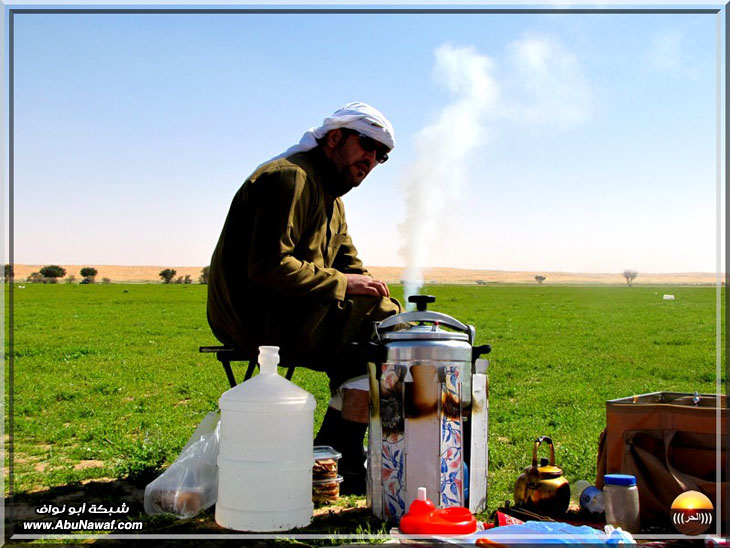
(692, 513)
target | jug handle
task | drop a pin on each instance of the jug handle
(539, 441)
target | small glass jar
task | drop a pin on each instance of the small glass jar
(621, 497)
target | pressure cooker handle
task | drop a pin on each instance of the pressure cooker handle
(423, 316)
(478, 351)
(370, 351)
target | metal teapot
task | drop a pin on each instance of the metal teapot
(543, 488)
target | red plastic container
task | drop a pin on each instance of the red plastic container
(423, 518)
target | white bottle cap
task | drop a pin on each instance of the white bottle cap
(268, 360)
(422, 493)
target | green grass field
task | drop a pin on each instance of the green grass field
(108, 381)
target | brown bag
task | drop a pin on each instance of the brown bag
(669, 443)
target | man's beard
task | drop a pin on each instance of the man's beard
(343, 180)
(344, 183)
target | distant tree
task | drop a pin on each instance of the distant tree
(52, 272)
(107, 281)
(184, 279)
(481, 282)
(9, 272)
(539, 279)
(630, 275)
(204, 273)
(71, 279)
(168, 274)
(89, 273)
(36, 278)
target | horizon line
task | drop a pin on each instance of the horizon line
(425, 268)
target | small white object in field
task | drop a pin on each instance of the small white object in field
(668, 297)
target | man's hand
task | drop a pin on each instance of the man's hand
(359, 284)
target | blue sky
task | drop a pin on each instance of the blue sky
(585, 143)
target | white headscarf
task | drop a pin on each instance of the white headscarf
(358, 116)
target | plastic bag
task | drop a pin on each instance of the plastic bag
(535, 533)
(190, 484)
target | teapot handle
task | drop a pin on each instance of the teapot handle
(539, 441)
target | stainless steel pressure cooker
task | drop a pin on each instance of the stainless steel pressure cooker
(422, 396)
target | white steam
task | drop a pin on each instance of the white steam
(441, 149)
(542, 86)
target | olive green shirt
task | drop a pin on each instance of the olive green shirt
(283, 251)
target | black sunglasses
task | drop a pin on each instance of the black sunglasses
(368, 144)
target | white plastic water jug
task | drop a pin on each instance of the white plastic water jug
(265, 458)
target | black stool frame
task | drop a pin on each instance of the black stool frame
(226, 355)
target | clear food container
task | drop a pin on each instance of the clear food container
(326, 490)
(325, 479)
(621, 498)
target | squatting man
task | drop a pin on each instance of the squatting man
(286, 273)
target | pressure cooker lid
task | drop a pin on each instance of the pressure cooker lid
(424, 332)
(424, 325)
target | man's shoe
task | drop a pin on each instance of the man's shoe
(353, 483)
